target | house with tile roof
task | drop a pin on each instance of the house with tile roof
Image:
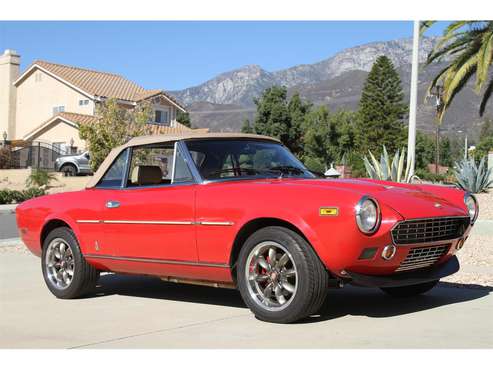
(48, 101)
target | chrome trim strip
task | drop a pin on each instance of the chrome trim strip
(215, 223)
(156, 260)
(148, 222)
(144, 222)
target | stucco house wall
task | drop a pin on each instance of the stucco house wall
(61, 132)
(38, 94)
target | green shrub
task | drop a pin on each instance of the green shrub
(39, 178)
(471, 177)
(32, 193)
(426, 175)
(8, 196)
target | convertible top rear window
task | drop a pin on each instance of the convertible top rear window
(223, 159)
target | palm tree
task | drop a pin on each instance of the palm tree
(470, 46)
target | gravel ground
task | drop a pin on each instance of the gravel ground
(476, 258)
(485, 205)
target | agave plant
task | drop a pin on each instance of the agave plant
(471, 177)
(386, 170)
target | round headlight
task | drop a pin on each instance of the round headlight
(472, 206)
(367, 215)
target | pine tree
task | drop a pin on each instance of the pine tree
(381, 109)
(298, 109)
(273, 117)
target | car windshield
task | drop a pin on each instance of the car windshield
(225, 159)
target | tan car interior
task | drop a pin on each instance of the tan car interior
(147, 175)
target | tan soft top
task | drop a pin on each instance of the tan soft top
(153, 139)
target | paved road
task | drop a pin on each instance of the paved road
(8, 227)
(143, 312)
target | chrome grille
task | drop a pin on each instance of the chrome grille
(422, 257)
(429, 230)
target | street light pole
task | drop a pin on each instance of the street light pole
(411, 137)
(465, 147)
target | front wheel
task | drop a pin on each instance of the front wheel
(280, 277)
(65, 271)
(410, 290)
(69, 170)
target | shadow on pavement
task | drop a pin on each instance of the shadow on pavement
(350, 300)
(151, 287)
(375, 303)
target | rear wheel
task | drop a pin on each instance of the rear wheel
(65, 271)
(410, 290)
(280, 277)
(69, 170)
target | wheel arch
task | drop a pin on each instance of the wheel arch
(256, 224)
(70, 163)
(51, 225)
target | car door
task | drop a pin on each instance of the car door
(152, 216)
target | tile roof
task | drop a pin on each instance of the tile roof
(84, 119)
(101, 84)
(77, 117)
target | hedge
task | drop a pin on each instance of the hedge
(9, 196)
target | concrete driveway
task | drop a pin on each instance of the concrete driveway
(143, 312)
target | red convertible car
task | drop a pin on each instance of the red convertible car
(238, 210)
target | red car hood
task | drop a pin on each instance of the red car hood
(408, 200)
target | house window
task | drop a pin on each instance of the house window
(84, 102)
(58, 109)
(161, 117)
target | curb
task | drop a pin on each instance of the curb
(7, 208)
(10, 242)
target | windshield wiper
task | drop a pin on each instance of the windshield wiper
(240, 170)
(287, 170)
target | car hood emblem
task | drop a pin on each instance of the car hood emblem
(438, 205)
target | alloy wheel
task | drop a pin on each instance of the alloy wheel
(271, 276)
(59, 263)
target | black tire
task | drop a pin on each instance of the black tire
(84, 276)
(311, 276)
(69, 170)
(410, 290)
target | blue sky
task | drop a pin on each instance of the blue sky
(175, 55)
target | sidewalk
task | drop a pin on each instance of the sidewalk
(7, 208)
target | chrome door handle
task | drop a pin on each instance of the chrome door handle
(112, 204)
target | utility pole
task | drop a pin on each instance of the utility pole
(411, 137)
(465, 147)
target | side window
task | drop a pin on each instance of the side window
(157, 165)
(114, 176)
(151, 165)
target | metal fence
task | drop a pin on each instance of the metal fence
(36, 155)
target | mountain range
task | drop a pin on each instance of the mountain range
(223, 102)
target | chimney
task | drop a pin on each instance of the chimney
(9, 72)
